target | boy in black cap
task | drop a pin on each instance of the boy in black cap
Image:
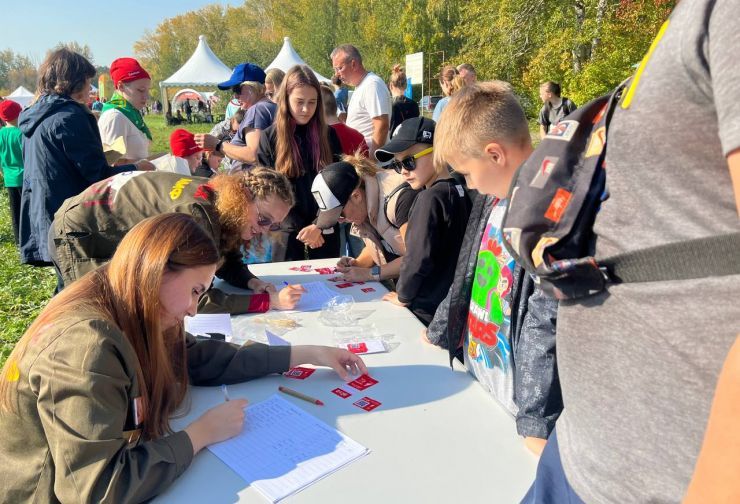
(377, 203)
(436, 224)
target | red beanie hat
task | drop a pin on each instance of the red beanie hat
(9, 110)
(182, 143)
(126, 70)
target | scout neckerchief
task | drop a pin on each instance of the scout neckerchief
(120, 103)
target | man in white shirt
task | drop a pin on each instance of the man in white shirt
(370, 105)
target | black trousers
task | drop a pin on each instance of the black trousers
(14, 197)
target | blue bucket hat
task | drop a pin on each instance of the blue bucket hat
(243, 72)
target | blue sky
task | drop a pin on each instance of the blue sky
(110, 31)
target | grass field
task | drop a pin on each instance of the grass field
(26, 290)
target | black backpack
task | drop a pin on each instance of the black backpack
(553, 202)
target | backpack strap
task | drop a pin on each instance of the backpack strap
(684, 260)
(390, 201)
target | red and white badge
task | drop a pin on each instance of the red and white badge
(341, 393)
(363, 382)
(367, 403)
(299, 373)
(357, 348)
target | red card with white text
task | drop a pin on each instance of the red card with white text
(367, 403)
(344, 285)
(363, 382)
(299, 373)
(341, 393)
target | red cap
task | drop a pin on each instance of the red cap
(127, 70)
(9, 110)
(182, 143)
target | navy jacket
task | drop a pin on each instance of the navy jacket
(62, 156)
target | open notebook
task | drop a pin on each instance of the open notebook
(283, 449)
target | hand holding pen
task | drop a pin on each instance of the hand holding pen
(218, 423)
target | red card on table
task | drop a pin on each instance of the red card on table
(368, 289)
(341, 393)
(344, 285)
(325, 271)
(305, 268)
(299, 373)
(363, 382)
(367, 403)
(357, 348)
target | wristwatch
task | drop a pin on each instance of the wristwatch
(375, 272)
(218, 146)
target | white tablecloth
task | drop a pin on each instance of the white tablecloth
(437, 437)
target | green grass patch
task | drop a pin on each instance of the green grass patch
(161, 132)
(25, 289)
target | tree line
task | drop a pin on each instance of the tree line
(589, 46)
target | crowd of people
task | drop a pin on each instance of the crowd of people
(628, 394)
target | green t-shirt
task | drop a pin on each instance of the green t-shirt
(11, 156)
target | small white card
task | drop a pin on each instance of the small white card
(204, 324)
(367, 346)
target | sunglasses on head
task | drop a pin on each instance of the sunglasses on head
(409, 163)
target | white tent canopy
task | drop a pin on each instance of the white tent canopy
(202, 69)
(21, 96)
(287, 57)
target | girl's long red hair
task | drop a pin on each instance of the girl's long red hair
(126, 292)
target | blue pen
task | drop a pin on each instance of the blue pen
(286, 284)
(226, 393)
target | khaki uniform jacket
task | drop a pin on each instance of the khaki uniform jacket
(87, 228)
(69, 441)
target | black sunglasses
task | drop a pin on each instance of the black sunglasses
(409, 163)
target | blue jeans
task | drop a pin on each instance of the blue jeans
(550, 484)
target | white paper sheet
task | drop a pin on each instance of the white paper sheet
(170, 163)
(317, 293)
(283, 449)
(204, 324)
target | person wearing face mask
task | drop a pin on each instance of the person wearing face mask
(299, 145)
(62, 150)
(247, 83)
(233, 209)
(437, 221)
(120, 116)
(87, 394)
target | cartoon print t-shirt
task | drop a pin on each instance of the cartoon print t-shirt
(487, 346)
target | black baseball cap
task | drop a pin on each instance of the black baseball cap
(331, 189)
(411, 131)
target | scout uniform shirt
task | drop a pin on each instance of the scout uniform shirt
(74, 434)
(88, 228)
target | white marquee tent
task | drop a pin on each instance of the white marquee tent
(202, 69)
(21, 96)
(287, 57)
